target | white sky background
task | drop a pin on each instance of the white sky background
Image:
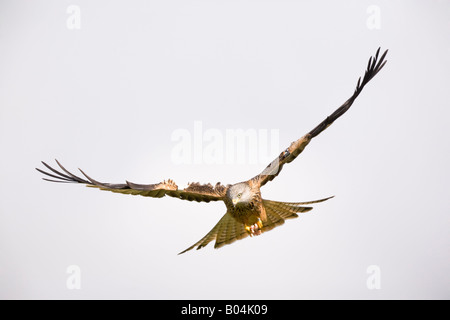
(107, 98)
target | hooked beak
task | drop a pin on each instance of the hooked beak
(235, 200)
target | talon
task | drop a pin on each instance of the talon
(259, 223)
(254, 229)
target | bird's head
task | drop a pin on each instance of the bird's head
(240, 194)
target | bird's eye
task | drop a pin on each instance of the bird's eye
(239, 195)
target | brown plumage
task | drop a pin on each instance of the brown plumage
(247, 212)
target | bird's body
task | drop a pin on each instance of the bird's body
(247, 213)
(244, 203)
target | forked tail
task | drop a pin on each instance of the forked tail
(228, 229)
(277, 211)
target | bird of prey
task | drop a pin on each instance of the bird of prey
(248, 214)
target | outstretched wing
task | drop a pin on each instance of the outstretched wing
(194, 192)
(296, 147)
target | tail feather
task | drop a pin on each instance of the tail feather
(295, 204)
(277, 211)
(228, 229)
(274, 219)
